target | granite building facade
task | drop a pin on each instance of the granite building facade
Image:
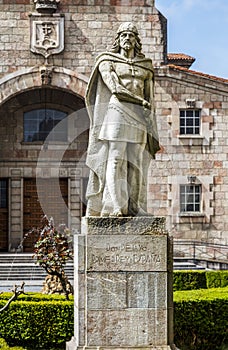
(48, 50)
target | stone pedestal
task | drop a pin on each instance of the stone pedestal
(123, 284)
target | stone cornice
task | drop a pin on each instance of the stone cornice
(46, 6)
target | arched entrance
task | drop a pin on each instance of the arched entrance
(29, 112)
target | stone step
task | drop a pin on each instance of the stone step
(31, 267)
(16, 256)
(25, 278)
(27, 265)
(16, 268)
(26, 274)
(178, 265)
(30, 285)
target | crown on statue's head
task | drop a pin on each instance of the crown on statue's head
(46, 6)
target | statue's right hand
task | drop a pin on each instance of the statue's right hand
(120, 92)
(146, 104)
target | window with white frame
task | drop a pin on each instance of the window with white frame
(190, 198)
(190, 122)
(39, 123)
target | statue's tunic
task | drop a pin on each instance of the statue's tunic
(121, 123)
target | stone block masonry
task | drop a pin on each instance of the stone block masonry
(203, 155)
(89, 28)
(123, 277)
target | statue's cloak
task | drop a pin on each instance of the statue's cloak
(97, 101)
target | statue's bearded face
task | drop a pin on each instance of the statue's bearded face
(127, 40)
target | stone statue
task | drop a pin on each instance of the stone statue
(123, 132)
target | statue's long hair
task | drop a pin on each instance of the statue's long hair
(138, 46)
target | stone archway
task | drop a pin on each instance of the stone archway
(31, 78)
(22, 91)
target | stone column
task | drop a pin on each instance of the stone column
(75, 198)
(123, 284)
(16, 211)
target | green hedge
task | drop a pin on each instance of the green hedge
(47, 323)
(31, 296)
(43, 324)
(188, 280)
(216, 279)
(5, 346)
(200, 319)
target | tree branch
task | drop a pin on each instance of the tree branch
(14, 296)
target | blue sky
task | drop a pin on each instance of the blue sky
(199, 28)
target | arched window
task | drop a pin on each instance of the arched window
(42, 123)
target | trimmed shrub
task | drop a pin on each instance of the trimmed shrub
(39, 324)
(31, 296)
(187, 280)
(5, 346)
(200, 319)
(47, 323)
(216, 279)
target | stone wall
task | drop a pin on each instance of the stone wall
(203, 156)
(89, 29)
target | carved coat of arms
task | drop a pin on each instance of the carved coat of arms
(47, 36)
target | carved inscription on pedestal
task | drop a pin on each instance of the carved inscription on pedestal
(131, 253)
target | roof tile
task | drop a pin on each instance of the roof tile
(179, 56)
(213, 77)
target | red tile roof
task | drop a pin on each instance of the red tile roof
(179, 56)
(213, 77)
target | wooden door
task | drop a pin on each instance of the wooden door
(4, 214)
(34, 211)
